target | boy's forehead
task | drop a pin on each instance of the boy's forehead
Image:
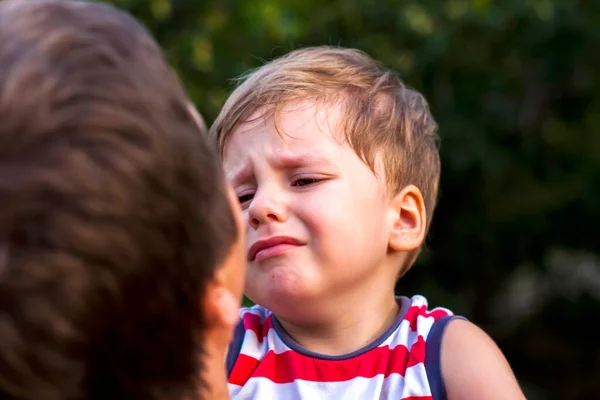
(239, 163)
(293, 124)
(296, 136)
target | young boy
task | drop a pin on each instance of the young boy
(336, 165)
(122, 255)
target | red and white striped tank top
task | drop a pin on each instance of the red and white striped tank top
(264, 363)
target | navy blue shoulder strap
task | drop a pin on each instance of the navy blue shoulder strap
(235, 346)
(433, 352)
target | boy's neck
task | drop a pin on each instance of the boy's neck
(358, 323)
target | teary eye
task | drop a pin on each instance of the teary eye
(245, 197)
(305, 181)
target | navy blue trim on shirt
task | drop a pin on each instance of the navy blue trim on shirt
(403, 302)
(433, 356)
(235, 346)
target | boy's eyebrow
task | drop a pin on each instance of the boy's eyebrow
(279, 161)
(292, 160)
(240, 175)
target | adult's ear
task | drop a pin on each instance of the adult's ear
(197, 117)
(221, 307)
(221, 312)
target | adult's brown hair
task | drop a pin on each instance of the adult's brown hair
(113, 210)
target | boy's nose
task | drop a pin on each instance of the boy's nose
(267, 206)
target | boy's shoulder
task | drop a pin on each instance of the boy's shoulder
(256, 318)
(419, 311)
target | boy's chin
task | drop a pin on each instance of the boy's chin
(294, 304)
(280, 281)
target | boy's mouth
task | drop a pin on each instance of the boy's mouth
(262, 249)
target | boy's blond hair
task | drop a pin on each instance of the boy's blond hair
(382, 117)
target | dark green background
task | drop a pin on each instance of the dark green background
(515, 243)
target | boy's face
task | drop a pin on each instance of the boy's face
(315, 213)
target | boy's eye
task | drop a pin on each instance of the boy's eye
(243, 198)
(305, 181)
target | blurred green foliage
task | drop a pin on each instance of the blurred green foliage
(515, 244)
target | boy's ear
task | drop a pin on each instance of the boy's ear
(409, 217)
